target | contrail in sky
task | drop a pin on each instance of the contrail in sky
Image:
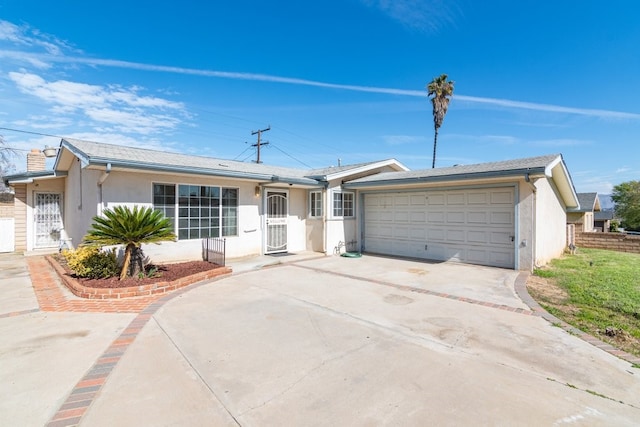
(303, 82)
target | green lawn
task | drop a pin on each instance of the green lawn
(603, 290)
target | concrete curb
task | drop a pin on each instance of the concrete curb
(523, 293)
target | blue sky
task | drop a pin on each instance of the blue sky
(334, 80)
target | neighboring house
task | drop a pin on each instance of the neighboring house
(7, 221)
(582, 216)
(508, 214)
(602, 220)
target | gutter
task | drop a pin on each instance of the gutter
(201, 171)
(532, 173)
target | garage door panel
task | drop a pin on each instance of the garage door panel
(477, 217)
(502, 218)
(456, 199)
(435, 234)
(478, 198)
(500, 238)
(400, 232)
(418, 233)
(456, 217)
(474, 226)
(418, 216)
(435, 217)
(435, 199)
(402, 200)
(401, 216)
(477, 236)
(454, 235)
(502, 197)
(419, 200)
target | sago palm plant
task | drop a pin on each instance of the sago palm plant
(130, 227)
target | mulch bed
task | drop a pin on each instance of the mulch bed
(164, 273)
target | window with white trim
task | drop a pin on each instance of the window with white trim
(315, 204)
(198, 211)
(343, 204)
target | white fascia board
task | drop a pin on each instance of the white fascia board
(558, 171)
(389, 162)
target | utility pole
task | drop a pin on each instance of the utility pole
(258, 144)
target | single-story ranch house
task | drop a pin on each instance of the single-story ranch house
(508, 214)
(584, 216)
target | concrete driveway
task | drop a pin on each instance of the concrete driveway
(362, 341)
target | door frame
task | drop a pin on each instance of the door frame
(266, 193)
(35, 219)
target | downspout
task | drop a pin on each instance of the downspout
(534, 192)
(101, 181)
(325, 209)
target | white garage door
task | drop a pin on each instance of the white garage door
(473, 225)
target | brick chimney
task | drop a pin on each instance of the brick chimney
(35, 161)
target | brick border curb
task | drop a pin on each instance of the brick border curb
(87, 389)
(523, 293)
(133, 291)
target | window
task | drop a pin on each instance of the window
(343, 204)
(315, 204)
(202, 211)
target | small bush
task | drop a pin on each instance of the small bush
(91, 262)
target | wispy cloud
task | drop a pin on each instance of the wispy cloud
(423, 15)
(28, 37)
(42, 50)
(123, 109)
(494, 102)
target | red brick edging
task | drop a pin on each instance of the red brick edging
(132, 291)
(523, 293)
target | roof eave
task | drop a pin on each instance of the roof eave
(382, 163)
(29, 177)
(558, 172)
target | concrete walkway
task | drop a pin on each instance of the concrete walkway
(323, 341)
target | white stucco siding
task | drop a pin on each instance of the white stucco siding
(296, 232)
(551, 219)
(127, 188)
(80, 201)
(525, 213)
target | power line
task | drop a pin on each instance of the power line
(32, 133)
(289, 155)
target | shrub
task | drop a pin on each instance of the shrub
(91, 262)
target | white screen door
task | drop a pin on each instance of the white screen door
(47, 218)
(277, 214)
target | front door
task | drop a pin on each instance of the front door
(47, 218)
(277, 214)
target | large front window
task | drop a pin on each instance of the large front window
(202, 211)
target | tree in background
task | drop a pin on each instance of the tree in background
(440, 90)
(627, 199)
(124, 226)
(6, 164)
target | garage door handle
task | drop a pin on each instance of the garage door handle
(513, 238)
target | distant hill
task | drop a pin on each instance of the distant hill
(606, 204)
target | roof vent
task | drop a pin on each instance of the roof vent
(223, 165)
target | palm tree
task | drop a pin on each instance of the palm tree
(440, 90)
(123, 226)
